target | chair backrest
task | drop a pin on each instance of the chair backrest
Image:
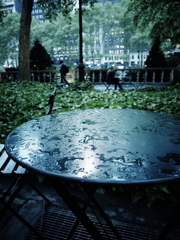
(7, 165)
(51, 101)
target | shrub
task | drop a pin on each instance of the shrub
(85, 85)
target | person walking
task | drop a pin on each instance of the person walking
(112, 79)
(63, 70)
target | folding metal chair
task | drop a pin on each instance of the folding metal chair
(51, 101)
(20, 178)
(107, 85)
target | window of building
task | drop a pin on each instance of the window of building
(116, 51)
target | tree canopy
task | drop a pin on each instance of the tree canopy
(9, 38)
(159, 17)
(162, 16)
(51, 10)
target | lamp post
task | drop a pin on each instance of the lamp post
(81, 64)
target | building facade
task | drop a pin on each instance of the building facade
(16, 6)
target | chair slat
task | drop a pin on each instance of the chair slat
(4, 159)
(9, 169)
(7, 165)
(1, 148)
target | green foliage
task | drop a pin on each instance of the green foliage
(52, 8)
(9, 37)
(111, 18)
(20, 102)
(2, 69)
(23, 101)
(151, 194)
(85, 85)
(162, 16)
(64, 33)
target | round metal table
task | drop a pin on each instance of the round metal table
(116, 146)
(98, 146)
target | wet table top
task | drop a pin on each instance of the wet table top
(116, 146)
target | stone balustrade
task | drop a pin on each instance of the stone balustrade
(96, 76)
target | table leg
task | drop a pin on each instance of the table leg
(103, 214)
(67, 197)
(79, 211)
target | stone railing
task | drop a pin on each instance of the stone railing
(149, 75)
(51, 76)
(97, 76)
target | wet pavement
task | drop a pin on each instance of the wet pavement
(131, 86)
(137, 217)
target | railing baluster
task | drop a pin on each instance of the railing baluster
(145, 76)
(171, 77)
(93, 76)
(100, 76)
(39, 79)
(50, 76)
(162, 76)
(154, 76)
(44, 77)
(86, 75)
(137, 77)
(32, 77)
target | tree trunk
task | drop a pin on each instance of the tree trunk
(24, 40)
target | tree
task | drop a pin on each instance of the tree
(162, 16)
(62, 37)
(39, 58)
(24, 40)
(102, 25)
(156, 57)
(51, 10)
